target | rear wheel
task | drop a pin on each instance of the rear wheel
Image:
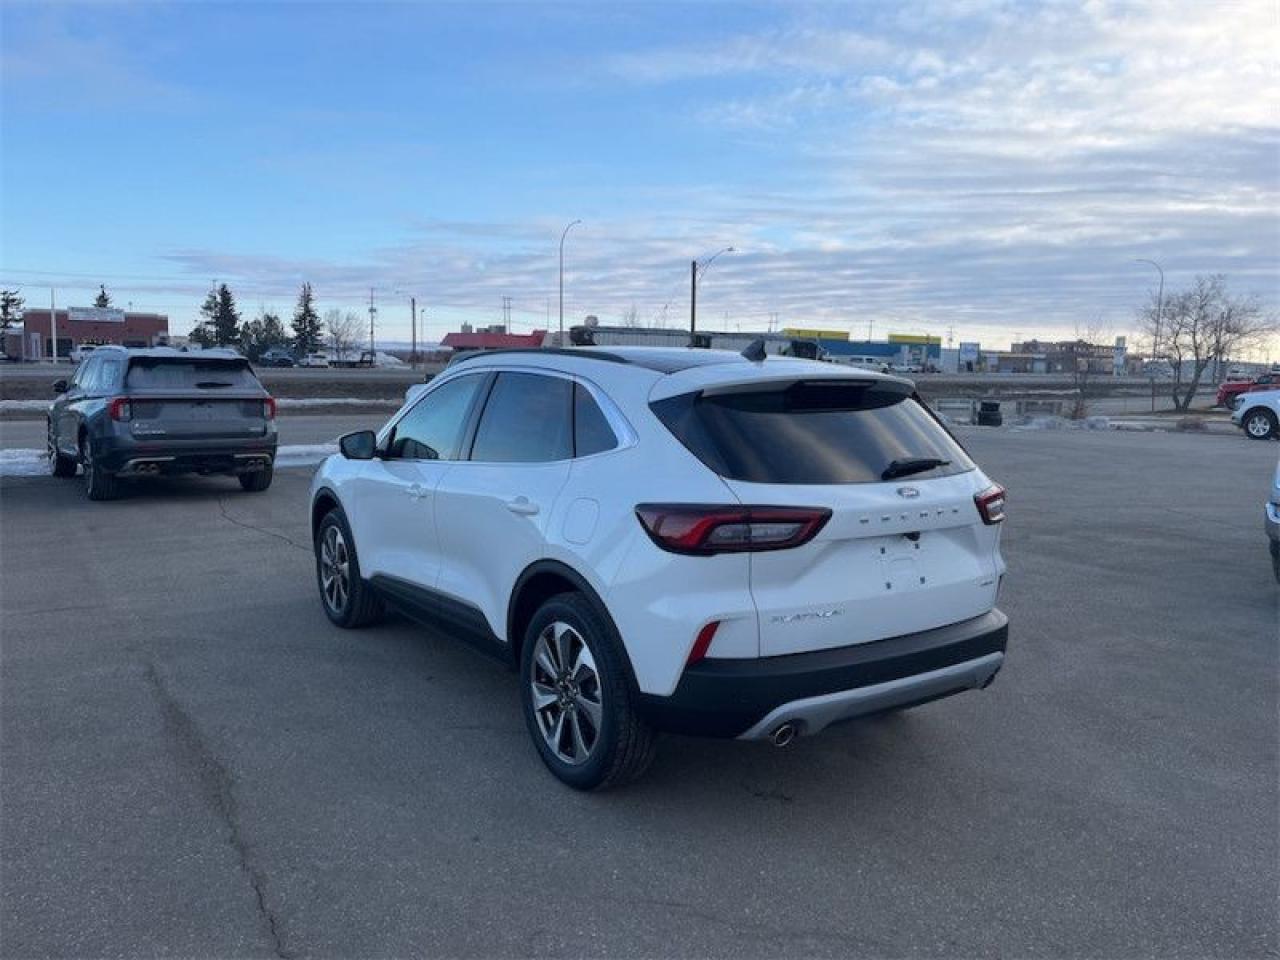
(347, 599)
(98, 483)
(1260, 424)
(257, 481)
(578, 701)
(59, 465)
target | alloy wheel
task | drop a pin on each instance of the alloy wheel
(335, 569)
(1258, 425)
(568, 699)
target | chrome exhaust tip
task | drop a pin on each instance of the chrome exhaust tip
(783, 734)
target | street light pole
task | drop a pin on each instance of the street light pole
(562, 236)
(694, 273)
(413, 322)
(1155, 341)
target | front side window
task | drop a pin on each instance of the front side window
(527, 419)
(433, 429)
(86, 377)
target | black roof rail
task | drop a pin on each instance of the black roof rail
(581, 354)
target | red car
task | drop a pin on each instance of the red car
(1230, 389)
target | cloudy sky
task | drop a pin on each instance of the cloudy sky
(982, 167)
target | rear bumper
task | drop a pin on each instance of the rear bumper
(127, 457)
(749, 698)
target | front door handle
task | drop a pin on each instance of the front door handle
(523, 506)
(418, 491)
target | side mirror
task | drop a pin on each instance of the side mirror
(59, 386)
(361, 445)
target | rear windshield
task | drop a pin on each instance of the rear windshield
(814, 432)
(211, 375)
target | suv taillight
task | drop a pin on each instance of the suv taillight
(990, 504)
(118, 408)
(269, 408)
(705, 530)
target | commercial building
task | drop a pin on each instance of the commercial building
(493, 337)
(83, 326)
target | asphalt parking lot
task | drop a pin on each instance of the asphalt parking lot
(195, 762)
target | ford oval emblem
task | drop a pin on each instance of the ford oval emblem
(909, 492)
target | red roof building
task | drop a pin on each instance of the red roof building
(478, 340)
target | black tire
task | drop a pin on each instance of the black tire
(59, 465)
(1259, 424)
(623, 746)
(257, 481)
(360, 605)
(98, 483)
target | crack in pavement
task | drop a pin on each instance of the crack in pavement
(222, 508)
(217, 784)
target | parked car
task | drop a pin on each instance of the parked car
(1230, 391)
(141, 413)
(1272, 522)
(1258, 414)
(80, 353)
(690, 541)
(276, 357)
(313, 360)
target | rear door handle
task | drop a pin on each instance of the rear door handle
(418, 491)
(523, 506)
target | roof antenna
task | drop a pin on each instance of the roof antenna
(755, 350)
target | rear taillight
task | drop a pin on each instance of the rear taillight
(269, 408)
(990, 504)
(118, 408)
(704, 530)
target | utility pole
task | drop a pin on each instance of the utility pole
(53, 325)
(373, 312)
(506, 314)
(413, 323)
(870, 325)
(693, 299)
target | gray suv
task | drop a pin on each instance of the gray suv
(142, 413)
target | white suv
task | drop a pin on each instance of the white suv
(693, 541)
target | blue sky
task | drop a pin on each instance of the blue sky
(985, 167)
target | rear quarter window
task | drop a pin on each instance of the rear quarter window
(811, 432)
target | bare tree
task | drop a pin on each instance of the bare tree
(631, 317)
(343, 331)
(1201, 325)
(1083, 367)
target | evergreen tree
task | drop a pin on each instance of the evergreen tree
(202, 334)
(307, 335)
(103, 299)
(226, 320)
(10, 307)
(261, 334)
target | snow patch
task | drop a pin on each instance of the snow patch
(24, 405)
(23, 462)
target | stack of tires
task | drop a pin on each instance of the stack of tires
(989, 414)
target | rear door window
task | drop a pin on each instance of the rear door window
(815, 432)
(196, 375)
(528, 419)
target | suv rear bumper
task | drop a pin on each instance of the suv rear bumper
(751, 698)
(127, 457)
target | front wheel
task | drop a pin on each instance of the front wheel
(1260, 424)
(578, 701)
(347, 599)
(59, 465)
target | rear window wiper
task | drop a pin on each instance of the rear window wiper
(904, 468)
(214, 383)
